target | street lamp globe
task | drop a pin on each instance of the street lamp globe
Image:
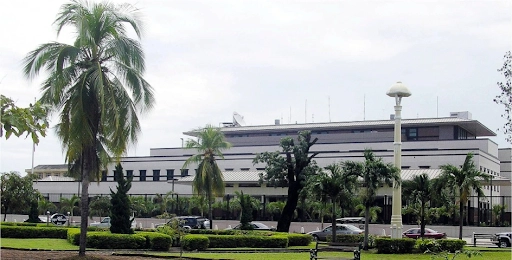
(398, 90)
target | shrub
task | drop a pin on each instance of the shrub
(355, 239)
(107, 240)
(73, 236)
(26, 224)
(394, 245)
(212, 232)
(451, 245)
(221, 241)
(424, 245)
(157, 241)
(299, 239)
(33, 232)
(194, 242)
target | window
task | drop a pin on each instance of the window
(184, 172)
(460, 133)
(114, 173)
(129, 173)
(170, 174)
(228, 169)
(142, 176)
(260, 169)
(249, 185)
(410, 134)
(244, 169)
(40, 175)
(156, 175)
(48, 175)
(103, 175)
(406, 167)
(424, 167)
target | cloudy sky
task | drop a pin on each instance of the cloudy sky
(296, 61)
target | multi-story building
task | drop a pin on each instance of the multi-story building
(427, 143)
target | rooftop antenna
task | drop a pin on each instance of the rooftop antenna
(329, 102)
(306, 112)
(364, 107)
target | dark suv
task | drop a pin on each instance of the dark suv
(188, 222)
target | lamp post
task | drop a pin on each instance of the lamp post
(397, 91)
(47, 218)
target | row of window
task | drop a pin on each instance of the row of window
(143, 175)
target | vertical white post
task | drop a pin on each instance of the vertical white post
(396, 216)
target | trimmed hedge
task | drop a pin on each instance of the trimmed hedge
(451, 245)
(104, 240)
(211, 232)
(26, 224)
(73, 236)
(359, 238)
(157, 241)
(33, 232)
(394, 245)
(221, 241)
(195, 242)
(299, 239)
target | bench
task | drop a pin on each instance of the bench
(335, 246)
(481, 236)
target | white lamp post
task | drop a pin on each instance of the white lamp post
(398, 90)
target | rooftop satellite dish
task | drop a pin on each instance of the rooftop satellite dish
(238, 120)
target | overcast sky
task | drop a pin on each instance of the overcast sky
(283, 60)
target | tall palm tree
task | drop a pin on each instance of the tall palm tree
(208, 181)
(374, 172)
(420, 190)
(96, 85)
(337, 184)
(464, 179)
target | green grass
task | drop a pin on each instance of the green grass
(366, 256)
(38, 243)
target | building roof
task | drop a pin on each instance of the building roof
(49, 167)
(473, 126)
(57, 178)
(407, 174)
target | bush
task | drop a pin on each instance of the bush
(424, 245)
(33, 232)
(26, 224)
(394, 245)
(73, 236)
(299, 239)
(451, 245)
(194, 242)
(355, 239)
(104, 240)
(157, 241)
(212, 232)
(221, 241)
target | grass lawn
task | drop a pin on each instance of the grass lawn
(62, 244)
(38, 243)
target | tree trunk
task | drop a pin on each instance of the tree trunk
(461, 217)
(84, 212)
(210, 212)
(5, 214)
(322, 216)
(333, 221)
(283, 225)
(366, 226)
(422, 219)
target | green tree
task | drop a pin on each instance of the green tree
(198, 202)
(139, 205)
(45, 205)
(505, 97)
(96, 86)
(337, 184)
(100, 206)
(464, 180)
(497, 212)
(246, 210)
(120, 211)
(32, 120)
(208, 181)
(289, 170)
(69, 205)
(16, 192)
(275, 208)
(420, 190)
(374, 173)
(374, 212)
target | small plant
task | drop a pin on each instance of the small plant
(452, 256)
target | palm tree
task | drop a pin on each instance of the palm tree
(208, 181)
(336, 184)
(198, 202)
(374, 172)
(69, 205)
(99, 206)
(96, 85)
(45, 205)
(464, 180)
(374, 212)
(420, 190)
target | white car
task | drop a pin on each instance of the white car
(105, 223)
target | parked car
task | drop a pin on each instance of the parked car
(502, 239)
(105, 223)
(355, 221)
(429, 233)
(187, 222)
(341, 229)
(255, 226)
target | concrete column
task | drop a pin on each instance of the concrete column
(396, 213)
